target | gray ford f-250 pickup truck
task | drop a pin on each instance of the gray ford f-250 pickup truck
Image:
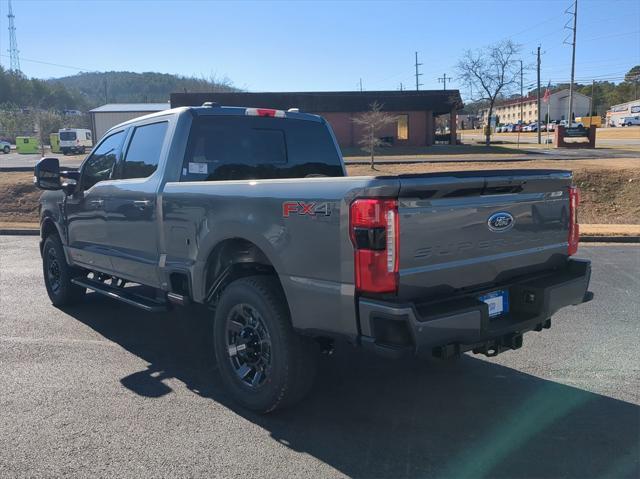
(249, 211)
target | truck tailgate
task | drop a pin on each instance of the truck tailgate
(476, 229)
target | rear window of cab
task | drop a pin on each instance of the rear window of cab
(238, 148)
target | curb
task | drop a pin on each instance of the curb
(19, 232)
(22, 169)
(14, 169)
(583, 239)
(610, 239)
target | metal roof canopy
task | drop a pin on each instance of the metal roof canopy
(438, 101)
(130, 107)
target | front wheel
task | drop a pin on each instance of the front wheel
(6, 149)
(264, 364)
(58, 274)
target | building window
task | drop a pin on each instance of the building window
(403, 127)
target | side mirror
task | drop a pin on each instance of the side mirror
(46, 175)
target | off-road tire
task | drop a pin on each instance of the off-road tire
(61, 291)
(293, 358)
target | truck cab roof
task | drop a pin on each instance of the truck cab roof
(213, 109)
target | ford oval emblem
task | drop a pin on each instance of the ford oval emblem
(500, 222)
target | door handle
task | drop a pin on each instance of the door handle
(97, 203)
(141, 204)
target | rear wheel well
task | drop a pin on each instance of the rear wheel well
(237, 258)
(232, 259)
(48, 228)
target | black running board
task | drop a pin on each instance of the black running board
(133, 299)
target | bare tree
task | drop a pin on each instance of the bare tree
(373, 121)
(490, 72)
(47, 122)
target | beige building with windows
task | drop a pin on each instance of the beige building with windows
(558, 108)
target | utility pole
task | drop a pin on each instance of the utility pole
(418, 84)
(521, 93)
(521, 104)
(401, 87)
(593, 86)
(360, 84)
(14, 58)
(538, 100)
(573, 61)
(443, 79)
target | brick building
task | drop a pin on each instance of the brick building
(509, 111)
(415, 110)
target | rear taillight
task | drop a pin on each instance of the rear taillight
(574, 228)
(269, 112)
(374, 231)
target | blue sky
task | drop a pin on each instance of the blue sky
(306, 46)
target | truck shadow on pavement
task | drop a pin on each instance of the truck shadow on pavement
(370, 417)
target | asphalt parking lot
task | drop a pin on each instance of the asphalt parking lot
(16, 160)
(102, 389)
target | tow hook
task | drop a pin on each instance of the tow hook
(506, 343)
(326, 346)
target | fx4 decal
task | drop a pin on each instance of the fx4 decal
(302, 208)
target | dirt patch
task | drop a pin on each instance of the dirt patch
(18, 198)
(610, 187)
(609, 196)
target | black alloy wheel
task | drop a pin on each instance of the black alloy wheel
(248, 345)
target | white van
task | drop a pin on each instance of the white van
(629, 120)
(75, 140)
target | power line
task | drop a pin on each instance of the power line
(29, 60)
(612, 35)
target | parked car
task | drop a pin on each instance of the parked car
(532, 126)
(630, 120)
(75, 140)
(565, 123)
(250, 212)
(5, 146)
(509, 128)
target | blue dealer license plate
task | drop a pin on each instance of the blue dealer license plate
(498, 302)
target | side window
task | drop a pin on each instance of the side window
(99, 166)
(144, 149)
(88, 134)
